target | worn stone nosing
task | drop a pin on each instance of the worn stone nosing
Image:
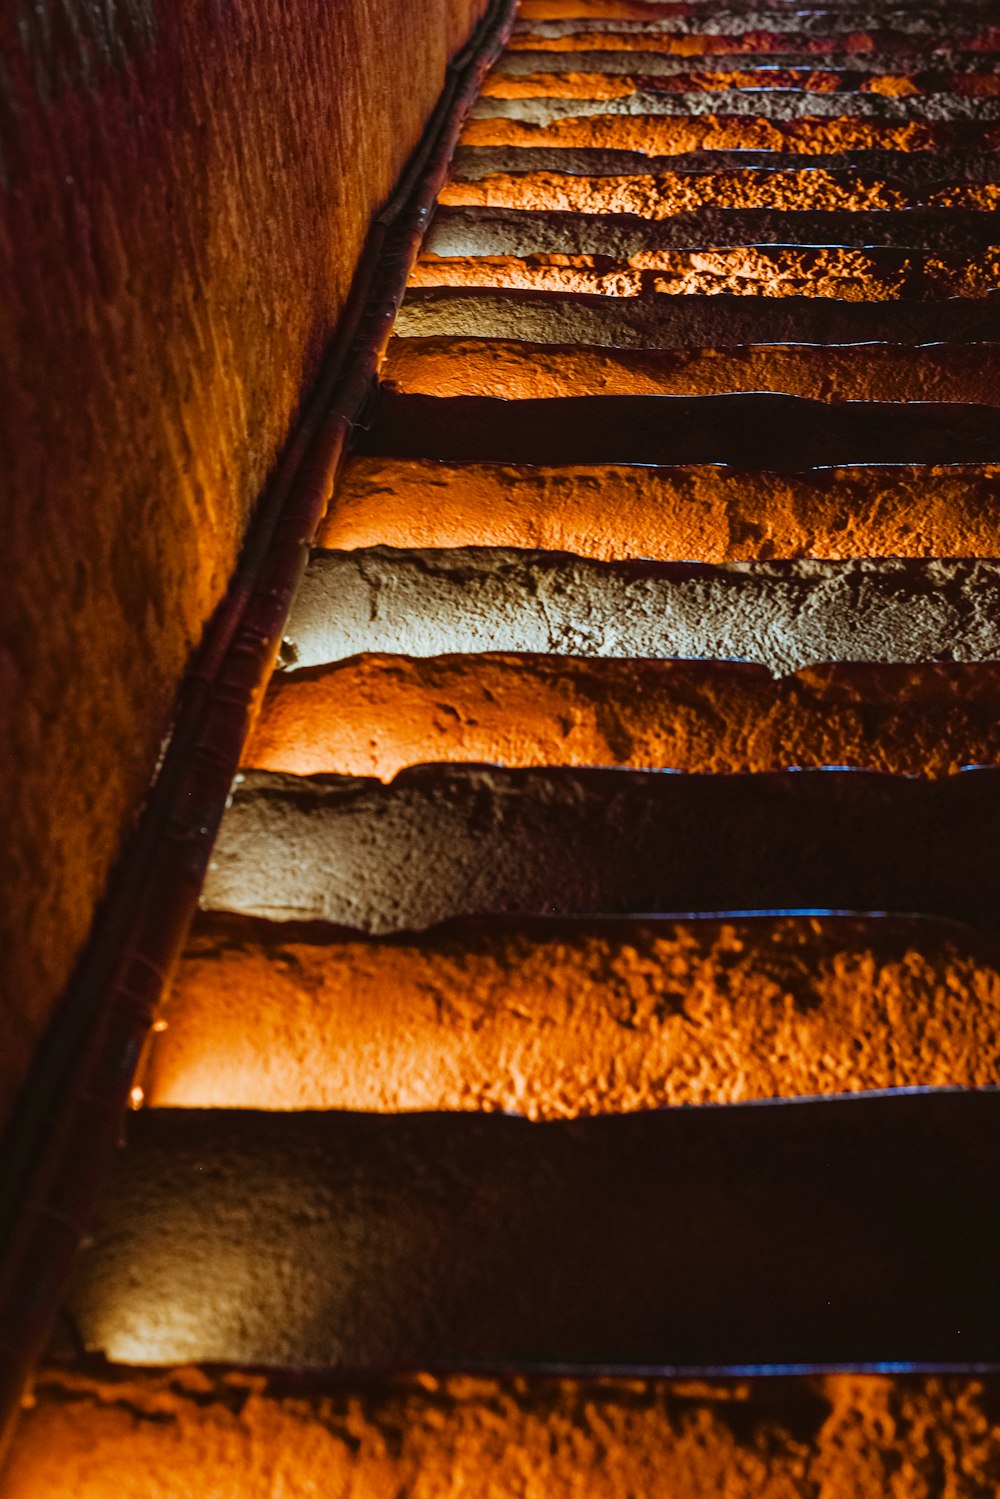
(470, 231)
(781, 614)
(694, 322)
(770, 104)
(844, 1234)
(442, 841)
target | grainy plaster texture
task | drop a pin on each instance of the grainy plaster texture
(186, 187)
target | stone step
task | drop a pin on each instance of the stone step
(556, 1018)
(865, 82)
(666, 135)
(922, 22)
(441, 841)
(847, 200)
(766, 41)
(946, 61)
(90, 1433)
(913, 178)
(848, 1234)
(782, 615)
(690, 322)
(751, 430)
(700, 514)
(631, 237)
(861, 372)
(770, 104)
(374, 715)
(878, 275)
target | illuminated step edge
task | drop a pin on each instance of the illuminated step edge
(706, 76)
(846, 1233)
(377, 714)
(769, 104)
(917, 173)
(559, 1018)
(182, 1432)
(442, 841)
(693, 322)
(782, 615)
(510, 231)
(856, 372)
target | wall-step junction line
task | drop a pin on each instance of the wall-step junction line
(633, 745)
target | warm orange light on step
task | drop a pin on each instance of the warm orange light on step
(375, 715)
(573, 1018)
(521, 371)
(664, 135)
(696, 514)
(193, 1434)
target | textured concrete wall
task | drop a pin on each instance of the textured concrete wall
(185, 188)
(186, 1432)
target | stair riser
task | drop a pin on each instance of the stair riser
(446, 841)
(849, 1233)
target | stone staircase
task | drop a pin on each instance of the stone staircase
(634, 745)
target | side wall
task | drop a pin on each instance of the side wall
(184, 189)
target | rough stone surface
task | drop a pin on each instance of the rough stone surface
(744, 271)
(662, 135)
(187, 189)
(845, 1233)
(643, 23)
(716, 196)
(375, 715)
(631, 238)
(443, 840)
(127, 1435)
(768, 104)
(913, 173)
(556, 1019)
(524, 62)
(763, 42)
(520, 371)
(691, 322)
(782, 615)
(698, 78)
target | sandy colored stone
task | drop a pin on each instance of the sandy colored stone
(782, 615)
(441, 841)
(539, 234)
(648, 99)
(691, 322)
(866, 372)
(658, 135)
(826, 22)
(375, 715)
(570, 37)
(557, 1019)
(186, 194)
(122, 1435)
(172, 1435)
(500, 271)
(657, 197)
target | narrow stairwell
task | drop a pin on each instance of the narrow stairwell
(635, 744)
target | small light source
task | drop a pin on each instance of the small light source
(135, 1098)
(159, 1025)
